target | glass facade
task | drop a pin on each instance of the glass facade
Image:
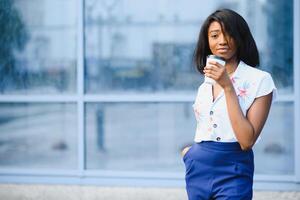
(134, 113)
(38, 47)
(274, 152)
(146, 138)
(38, 136)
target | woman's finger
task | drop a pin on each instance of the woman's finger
(211, 68)
(185, 150)
(210, 75)
(214, 63)
(213, 74)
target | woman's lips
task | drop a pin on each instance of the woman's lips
(222, 50)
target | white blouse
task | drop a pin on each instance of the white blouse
(213, 123)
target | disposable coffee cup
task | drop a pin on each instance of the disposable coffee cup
(217, 59)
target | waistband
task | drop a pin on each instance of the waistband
(221, 146)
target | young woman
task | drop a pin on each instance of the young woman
(230, 114)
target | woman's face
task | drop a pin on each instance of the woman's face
(221, 44)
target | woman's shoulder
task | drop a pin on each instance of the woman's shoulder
(254, 73)
(261, 81)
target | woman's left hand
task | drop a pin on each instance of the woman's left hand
(217, 72)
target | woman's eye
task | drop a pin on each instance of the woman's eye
(214, 36)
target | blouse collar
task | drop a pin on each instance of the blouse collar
(238, 71)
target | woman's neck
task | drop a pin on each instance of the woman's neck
(231, 65)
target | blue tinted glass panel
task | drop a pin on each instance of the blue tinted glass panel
(37, 135)
(138, 136)
(147, 46)
(38, 46)
(274, 153)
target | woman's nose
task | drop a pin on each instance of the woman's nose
(222, 40)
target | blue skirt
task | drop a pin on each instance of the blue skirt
(218, 170)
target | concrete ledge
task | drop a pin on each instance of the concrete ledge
(76, 192)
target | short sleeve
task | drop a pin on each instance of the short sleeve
(197, 97)
(267, 86)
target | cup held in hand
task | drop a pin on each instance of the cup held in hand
(215, 58)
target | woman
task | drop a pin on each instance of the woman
(230, 114)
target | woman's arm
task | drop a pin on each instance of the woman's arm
(247, 129)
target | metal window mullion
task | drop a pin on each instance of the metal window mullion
(79, 96)
(274, 177)
(37, 172)
(80, 87)
(37, 98)
(296, 65)
(188, 97)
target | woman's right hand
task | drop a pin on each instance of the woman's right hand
(185, 150)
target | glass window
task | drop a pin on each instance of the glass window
(274, 153)
(271, 23)
(138, 136)
(37, 135)
(38, 46)
(139, 47)
(148, 46)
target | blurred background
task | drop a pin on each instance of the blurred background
(104, 88)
